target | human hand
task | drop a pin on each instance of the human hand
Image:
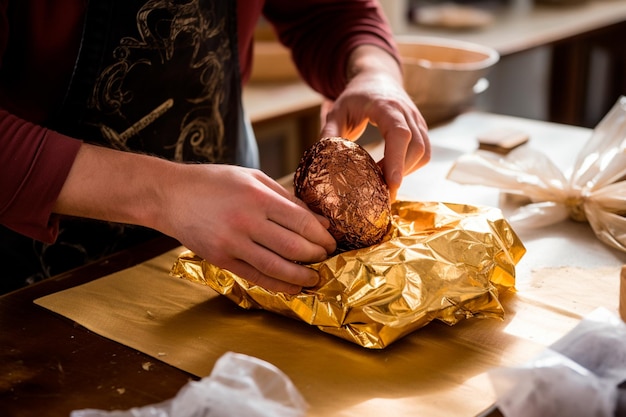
(236, 218)
(241, 220)
(375, 95)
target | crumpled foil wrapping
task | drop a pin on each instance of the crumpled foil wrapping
(595, 191)
(444, 262)
(340, 180)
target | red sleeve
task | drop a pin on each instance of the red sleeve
(36, 58)
(34, 164)
(322, 33)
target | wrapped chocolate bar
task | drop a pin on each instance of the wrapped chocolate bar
(440, 261)
(595, 191)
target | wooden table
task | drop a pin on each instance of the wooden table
(579, 33)
(48, 364)
(518, 29)
(285, 114)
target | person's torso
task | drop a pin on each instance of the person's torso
(159, 77)
(40, 42)
(156, 76)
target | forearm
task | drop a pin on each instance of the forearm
(321, 34)
(236, 218)
(115, 186)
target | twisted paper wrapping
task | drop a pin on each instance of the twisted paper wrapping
(595, 191)
(444, 262)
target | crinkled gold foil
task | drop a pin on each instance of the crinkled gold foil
(444, 262)
(340, 180)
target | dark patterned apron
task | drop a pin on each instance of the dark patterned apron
(156, 76)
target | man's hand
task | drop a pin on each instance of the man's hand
(375, 94)
(243, 221)
(236, 218)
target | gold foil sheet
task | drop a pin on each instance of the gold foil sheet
(444, 262)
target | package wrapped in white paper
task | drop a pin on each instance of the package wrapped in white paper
(580, 375)
(239, 385)
(594, 192)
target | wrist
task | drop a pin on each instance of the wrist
(373, 59)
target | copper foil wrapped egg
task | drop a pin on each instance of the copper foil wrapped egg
(339, 179)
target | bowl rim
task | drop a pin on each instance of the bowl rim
(492, 55)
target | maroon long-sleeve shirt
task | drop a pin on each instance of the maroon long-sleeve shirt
(39, 41)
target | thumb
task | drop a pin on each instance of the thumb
(350, 131)
(330, 128)
(329, 124)
(337, 120)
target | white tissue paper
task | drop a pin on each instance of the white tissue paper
(594, 192)
(580, 375)
(239, 385)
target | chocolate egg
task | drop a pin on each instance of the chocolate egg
(339, 179)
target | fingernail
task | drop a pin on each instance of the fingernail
(293, 289)
(315, 278)
(397, 178)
